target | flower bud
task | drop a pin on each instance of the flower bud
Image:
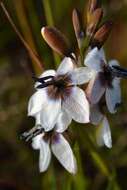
(76, 19)
(56, 40)
(92, 5)
(93, 21)
(101, 35)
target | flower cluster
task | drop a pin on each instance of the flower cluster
(61, 96)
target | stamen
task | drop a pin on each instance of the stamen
(45, 84)
(42, 80)
(118, 71)
(32, 133)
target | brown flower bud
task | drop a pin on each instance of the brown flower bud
(76, 19)
(93, 21)
(101, 35)
(56, 40)
(92, 5)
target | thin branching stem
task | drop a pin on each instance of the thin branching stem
(32, 53)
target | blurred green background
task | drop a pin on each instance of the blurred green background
(99, 167)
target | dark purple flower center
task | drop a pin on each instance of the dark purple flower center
(108, 77)
(51, 136)
(59, 86)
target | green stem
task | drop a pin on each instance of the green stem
(32, 53)
(50, 22)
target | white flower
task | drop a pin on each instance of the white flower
(54, 141)
(103, 80)
(103, 135)
(58, 92)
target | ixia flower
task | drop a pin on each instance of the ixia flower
(54, 141)
(58, 92)
(103, 135)
(103, 81)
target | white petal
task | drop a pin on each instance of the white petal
(36, 141)
(95, 59)
(62, 150)
(95, 88)
(63, 122)
(81, 75)
(45, 156)
(49, 113)
(113, 95)
(45, 74)
(65, 66)
(104, 134)
(95, 115)
(77, 105)
(37, 119)
(36, 102)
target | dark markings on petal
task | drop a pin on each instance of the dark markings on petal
(55, 138)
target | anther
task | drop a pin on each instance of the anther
(43, 79)
(118, 71)
(31, 133)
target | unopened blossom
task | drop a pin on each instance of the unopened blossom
(103, 135)
(103, 81)
(54, 141)
(57, 92)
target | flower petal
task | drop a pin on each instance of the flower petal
(62, 150)
(95, 114)
(45, 156)
(104, 134)
(95, 88)
(45, 153)
(95, 59)
(36, 102)
(113, 95)
(45, 74)
(49, 113)
(37, 119)
(77, 105)
(65, 66)
(63, 122)
(36, 141)
(81, 75)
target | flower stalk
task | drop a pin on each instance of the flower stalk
(50, 22)
(32, 53)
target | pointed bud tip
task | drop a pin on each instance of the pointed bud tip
(43, 31)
